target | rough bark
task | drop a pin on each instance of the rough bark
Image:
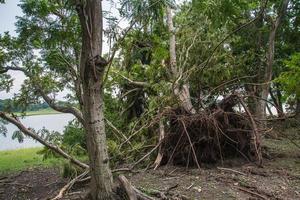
(270, 58)
(91, 72)
(181, 91)
(162, 135)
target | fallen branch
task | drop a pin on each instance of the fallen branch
(35, 136)
(117, 130)
(145, 156)
(231, 170)
(253, 193)
(128, 187)
(161, 137)
(69, 186)
(132, 192)
(255, 136)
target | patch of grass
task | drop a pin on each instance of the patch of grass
(46, 111)
(21, 159)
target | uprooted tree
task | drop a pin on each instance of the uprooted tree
(190, 82)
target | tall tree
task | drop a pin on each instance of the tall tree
(92, 69)
(70, 56)
(261, 108)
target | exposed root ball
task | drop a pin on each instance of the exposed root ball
(211, 135)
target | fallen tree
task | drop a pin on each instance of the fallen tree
(210, 135)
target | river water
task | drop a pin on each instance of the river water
(55, 122)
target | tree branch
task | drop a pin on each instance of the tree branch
(35, 136)
(136, 83)
(6, 69)
(64, 109)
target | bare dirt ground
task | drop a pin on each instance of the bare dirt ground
(279, 178)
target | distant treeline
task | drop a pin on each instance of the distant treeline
(6, 104)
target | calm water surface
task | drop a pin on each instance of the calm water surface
(55, 122)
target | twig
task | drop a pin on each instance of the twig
(253, 193)
(18, 184)
(231, 170)
(145, 156)
(69, 185)
(172, 187)
(256, 134)
(109, 123)
(190, 186)
(189, 138)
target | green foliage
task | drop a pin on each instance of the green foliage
(48, 51)
(3, 129)
(18, 135)
(9, 105)
(74, 135)
(70, 171)
(290, 78)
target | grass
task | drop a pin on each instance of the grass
(46, 111)
(21, 159)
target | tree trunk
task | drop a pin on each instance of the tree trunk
(270, 58)
(297, 116)
(91, 72)
(182, 92)
(269, 110)
(277, 100)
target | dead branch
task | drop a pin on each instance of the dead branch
(253, 193)
(69, 185)
(189, 138)
(145, 156)
(128, 187)
(255, 136)
(117, 130)
(161, 137)
(231, 170)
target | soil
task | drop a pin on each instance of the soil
(279, 178)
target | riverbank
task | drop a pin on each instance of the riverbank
(278, 179)
(46, 111)
(12, 161)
